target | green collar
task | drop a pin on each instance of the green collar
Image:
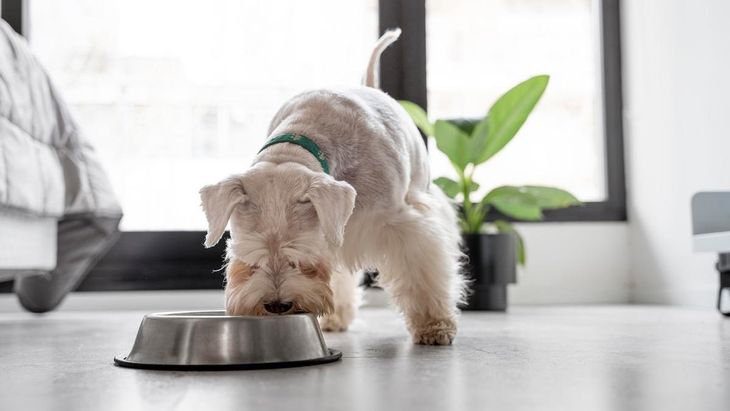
(303, 142)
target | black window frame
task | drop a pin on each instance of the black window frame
(176, 260)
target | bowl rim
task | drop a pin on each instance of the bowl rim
(221, 314)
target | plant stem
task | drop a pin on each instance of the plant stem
(466, 184)
(464, 220)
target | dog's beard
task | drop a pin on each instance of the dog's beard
(307, 295)
(268, 267)
(293, 273)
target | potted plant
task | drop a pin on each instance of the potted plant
(493, 249)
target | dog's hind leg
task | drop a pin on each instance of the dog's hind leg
(421, 267)
(347, 298)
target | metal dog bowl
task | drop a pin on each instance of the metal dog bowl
(211, 340)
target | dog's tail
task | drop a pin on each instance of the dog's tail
(371, 73)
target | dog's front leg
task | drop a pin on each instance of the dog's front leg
(346, 301)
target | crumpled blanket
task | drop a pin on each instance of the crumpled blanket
(48, 169)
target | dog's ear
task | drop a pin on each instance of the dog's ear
(333, 201)
(218, 202)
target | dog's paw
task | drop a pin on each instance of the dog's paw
(332, 324)
(339, 321)
(440, 332)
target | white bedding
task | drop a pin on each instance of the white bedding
(58, 213)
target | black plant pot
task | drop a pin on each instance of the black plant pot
(491, 265)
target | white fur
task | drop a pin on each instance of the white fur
(372, 79)
(347, 299)
(377, 208)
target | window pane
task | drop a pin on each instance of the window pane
(178, 94)
(477, 50)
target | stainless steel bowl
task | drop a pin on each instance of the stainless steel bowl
(211, 340)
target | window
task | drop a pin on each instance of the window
(178, 94)
(476, 50)
(175, 95)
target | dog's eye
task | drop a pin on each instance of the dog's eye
(255, 266)
(292, 265)
(304, 200)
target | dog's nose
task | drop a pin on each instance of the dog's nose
(278, 307)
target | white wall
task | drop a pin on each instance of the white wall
(572, 263)
(676, 67)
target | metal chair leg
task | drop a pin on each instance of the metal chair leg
(723, 267)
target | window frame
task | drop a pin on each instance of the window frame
(175, 260)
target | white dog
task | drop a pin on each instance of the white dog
(342, 185)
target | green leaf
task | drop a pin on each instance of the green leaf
(476, 142)
(452, 188)
(506, 227)
(452, 142)
(419, 116)
(479, 139)
(514, 202)
(448, 186)
(551, 197)
(466, 125)
(507, 115)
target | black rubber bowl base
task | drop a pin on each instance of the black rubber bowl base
(334, 356)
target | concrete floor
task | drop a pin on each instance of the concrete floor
(561, 358)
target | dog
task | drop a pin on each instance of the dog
(342, 185)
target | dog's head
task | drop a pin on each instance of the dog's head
(285, 222)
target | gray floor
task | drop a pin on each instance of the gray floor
(582, 358)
